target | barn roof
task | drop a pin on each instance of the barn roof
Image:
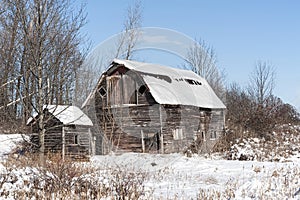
(68, 115)
(175, 86)
(171, 85)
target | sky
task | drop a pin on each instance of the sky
(241, 33)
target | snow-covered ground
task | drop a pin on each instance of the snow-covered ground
(8, 142)
(175, 176)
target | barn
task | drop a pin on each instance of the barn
(67, 131)
(143, 107)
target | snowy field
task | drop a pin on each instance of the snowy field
(176, 176)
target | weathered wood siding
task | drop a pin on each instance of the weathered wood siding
(53, 134)
(77, 141)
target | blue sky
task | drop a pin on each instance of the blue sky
(241, 32)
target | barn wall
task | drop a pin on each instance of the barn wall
(122, 127)
(185, 125)
(125, 127)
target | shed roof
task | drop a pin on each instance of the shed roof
(68, 115)
(175, 86)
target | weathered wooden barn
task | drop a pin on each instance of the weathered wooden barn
(144, 107)
(67, 131)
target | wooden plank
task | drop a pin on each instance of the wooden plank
(63, 143)
(143, 142)
(161, 132)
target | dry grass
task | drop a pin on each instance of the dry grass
(25, 177)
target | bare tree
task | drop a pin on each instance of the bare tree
(202, 59)
(260, 89)
(262, 82)
(131, 33)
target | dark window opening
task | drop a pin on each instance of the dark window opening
(158, 141)
(76, 139)
(193, 82)
(189, 81)
(102, 91)
(203, 136)
(142, 89)
(179, 79)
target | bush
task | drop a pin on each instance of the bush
(283, 145)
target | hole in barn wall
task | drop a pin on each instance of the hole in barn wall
(102, 92)
(193, 82)
(142, 89)
(76, 139)
(203, 136)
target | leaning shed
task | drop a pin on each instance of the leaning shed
(67, 130)
(144, 107)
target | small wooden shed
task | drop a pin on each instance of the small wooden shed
(144, 107)
(67, 130)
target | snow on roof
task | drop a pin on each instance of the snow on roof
(68, 115)
(175, 86)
